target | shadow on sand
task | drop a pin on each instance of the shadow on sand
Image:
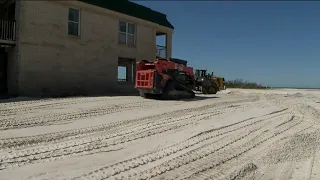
(8, 99)
(199, 98)
(196, 98)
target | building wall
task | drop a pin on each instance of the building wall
(52, 62)
(14, 57)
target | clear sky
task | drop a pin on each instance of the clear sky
(273, 43)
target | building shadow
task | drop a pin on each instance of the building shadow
(9, 99)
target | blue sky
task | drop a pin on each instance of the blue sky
(273, 43)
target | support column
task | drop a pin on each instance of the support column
(154, 41)
(168, 45)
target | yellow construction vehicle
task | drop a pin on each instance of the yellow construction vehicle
(208, 83)
(220, 81)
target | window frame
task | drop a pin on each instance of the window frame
(127, 33)
(79, 23)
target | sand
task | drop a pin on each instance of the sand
(233, 135)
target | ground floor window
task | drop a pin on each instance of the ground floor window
(126, 70)
(122, 74)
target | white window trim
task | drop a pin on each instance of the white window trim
(79, 23)
(127, 33)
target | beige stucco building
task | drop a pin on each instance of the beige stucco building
(75, 47)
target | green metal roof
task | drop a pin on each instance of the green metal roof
(132, 9)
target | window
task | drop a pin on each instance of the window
(126, 70)
(74, 22)
(127, 33)
(122, 74)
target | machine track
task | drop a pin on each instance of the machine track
(172, 93)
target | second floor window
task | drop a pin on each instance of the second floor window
(127, 33)
(74, 22)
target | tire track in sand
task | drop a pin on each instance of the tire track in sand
(76, 115)
(238, 149)
(114, 169)
(96, 144)
(72, 134)
(6, 104)
(8, 110)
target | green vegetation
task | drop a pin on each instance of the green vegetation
(239, 83)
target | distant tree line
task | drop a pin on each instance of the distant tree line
(239, 83)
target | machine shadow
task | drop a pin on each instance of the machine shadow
(200, 98)
(197, 98)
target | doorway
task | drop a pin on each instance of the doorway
(3, 71)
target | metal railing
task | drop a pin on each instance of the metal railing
(161, 51)
(8, 30)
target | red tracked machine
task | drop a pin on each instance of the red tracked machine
(165, 79)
